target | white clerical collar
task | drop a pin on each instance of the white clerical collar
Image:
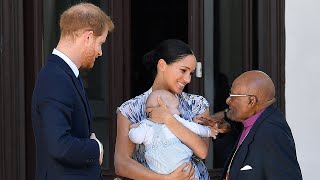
(67, 60)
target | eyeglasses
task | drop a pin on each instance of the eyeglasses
(242, 95)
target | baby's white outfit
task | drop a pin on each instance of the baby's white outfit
(164, 151)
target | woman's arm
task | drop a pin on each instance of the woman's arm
(127, 167)
(198, 145)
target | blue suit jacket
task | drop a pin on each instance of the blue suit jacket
(269, 149)
(61, 119)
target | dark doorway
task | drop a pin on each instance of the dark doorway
(151, 23)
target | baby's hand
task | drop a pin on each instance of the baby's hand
(214, 132)
(134, 125)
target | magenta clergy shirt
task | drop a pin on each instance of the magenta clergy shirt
(247, 124)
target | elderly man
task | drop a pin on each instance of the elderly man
(265, 148)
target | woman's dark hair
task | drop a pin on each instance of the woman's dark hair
(171, 50)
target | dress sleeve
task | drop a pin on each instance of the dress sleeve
(200, 104)
(134, 109)
(191, 105)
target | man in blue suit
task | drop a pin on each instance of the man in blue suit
(265, 149)
(66, 148)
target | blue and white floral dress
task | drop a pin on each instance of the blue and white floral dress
(190, 105)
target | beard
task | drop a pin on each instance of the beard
(88, 58)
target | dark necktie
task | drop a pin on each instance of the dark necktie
(81, 83)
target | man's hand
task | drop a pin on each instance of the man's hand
(183, 172)
(218, 124)
(93, 136)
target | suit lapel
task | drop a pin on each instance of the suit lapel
(245, 146)
(226, 166)
(77, 84)
(238, 161)
(84, 98)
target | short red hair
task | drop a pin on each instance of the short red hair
(83, 17)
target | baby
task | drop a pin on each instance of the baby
(164, 151)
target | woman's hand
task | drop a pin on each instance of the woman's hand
(159, 114)
(183, 172)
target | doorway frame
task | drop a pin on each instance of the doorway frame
(31, 59)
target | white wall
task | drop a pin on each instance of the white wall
(303, 81)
